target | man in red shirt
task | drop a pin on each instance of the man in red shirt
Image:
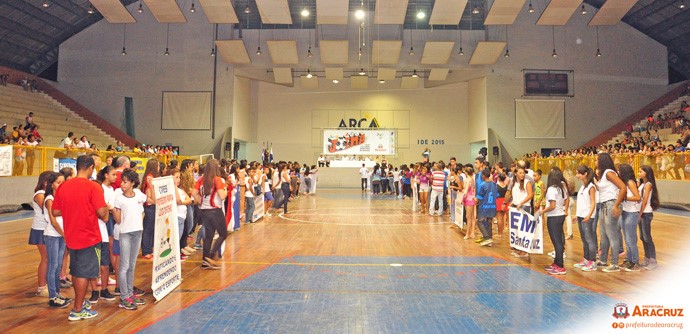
(80, 202)
(121, 164)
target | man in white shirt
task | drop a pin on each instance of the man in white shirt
(364, 174)
(68, 142)
(83, 143)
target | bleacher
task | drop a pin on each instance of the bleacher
(54, 119)
(665, 135)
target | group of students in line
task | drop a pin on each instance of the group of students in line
(610, 198)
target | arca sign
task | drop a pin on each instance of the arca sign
(358, 123)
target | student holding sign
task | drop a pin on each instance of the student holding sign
(557, 200)
(520, 191)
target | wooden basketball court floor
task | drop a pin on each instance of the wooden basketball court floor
(346, 262)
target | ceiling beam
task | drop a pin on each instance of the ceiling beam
(28, 33)
(650, 8)
(38, 14)
(683, 17)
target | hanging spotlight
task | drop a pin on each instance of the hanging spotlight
(247, 10)
(421, 15)
(335, 81)
(309, 74)
(530, 9)
(359, 14)
(382, 81)
(167, 52)
(360, 52)
(553, 35)
(507, 55)
(213, 52)
(309, 54)
(361, 71)
(192, 9)
(461, 53)
(258, 51)
(414, 74)
(554, 54)
(411, 53)
(584, 10)
(141, 8)
(305, 12)
(124, 52)
(475, 10)
(90, 10)
(682, 4)
(598, 53)
(45, 4)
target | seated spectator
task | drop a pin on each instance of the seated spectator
(68, 142)
(110, 148)
(34, 131)
(94, 148)
(119, 146)
(3, 130)
(29, 121)
(684, 106)
(25, 83)
(83, 143)
(15, 134)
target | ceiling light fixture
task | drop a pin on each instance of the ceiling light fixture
(124, 40)
(305, 12)
(530, 9)
(359, 53)
(359, 14)
(258, 48)
(90, 10)
(247, 10)
(167, 40)
(507, 54)
(45, 4)
(213, 52)
(411, 53)
(309, 54)
(553, 34)
(414, 74)
(461, 53)
(382, 81)
(192, 9)
(141, 8)
(584, 10)
(362, 72)
(598, 54)
(124, 51)
(475, 10)
(258, 51)
(335, 81)
(682, 4)
(309, 76)
(421, 15)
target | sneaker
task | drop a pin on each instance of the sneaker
(211, 262)
(633, 267)
(651, 265)
(42, 292)
(116, 291)
(127, 304)
(569, 237)
(206, 265)
(81, 315)
(66, 299)
(611, 269)
(556, 270)
(601, 264)
(197, 246)
(550, 267)
(105, 294)
(626, 263)
(65, 283)
(147, 256)
(111, 281)
(138, 292)
(190, 249)
(590, 266)
(487, 242)
(479, 240)
(580, 264)
(138, 301)
(185, 252)
(94, 297)
(183, 257)
(57, 303)
(86, 304)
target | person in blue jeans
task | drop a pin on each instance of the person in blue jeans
(586, 218)
(630, 218)
(486, 207)
(55, 243)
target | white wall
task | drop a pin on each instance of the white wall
(285, 117)
(631, 73)
(477, 110)
(92, 71)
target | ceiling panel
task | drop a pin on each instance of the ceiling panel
(166, 11)
(233, 51)
(219, 11)
(409, 83)
(113, 11)
(487, 53)
(390, 12)
(386, 74)
(504, 12)
(386, 52)
(331, 12)
(558, 12)
(334, 73)
(359, 81)
(612, 12)
(283, 52)
(334, 52)
(274, 11)
(282, 75)
(438, 74)
(437, 52)
(447, 12)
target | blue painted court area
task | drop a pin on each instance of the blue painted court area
(391, 295)
(7, 217)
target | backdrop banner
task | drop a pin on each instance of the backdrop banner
(167, 268)
(359, 142)
(526, 232)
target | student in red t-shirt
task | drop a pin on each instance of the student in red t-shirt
(80, 202)
(210, 190)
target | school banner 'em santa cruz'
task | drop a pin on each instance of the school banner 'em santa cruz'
(359, 142)
(526, 233)
(167, 268)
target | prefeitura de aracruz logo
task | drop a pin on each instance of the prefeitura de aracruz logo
(620, 311)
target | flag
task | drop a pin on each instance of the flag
(270, 157)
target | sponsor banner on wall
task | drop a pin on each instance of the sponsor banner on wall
(141, 164)
(526, 232)
(6, 160)
(61, 163)
(359, 142)
(167, 269)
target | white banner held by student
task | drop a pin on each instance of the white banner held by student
(167, 269)
(526, 233)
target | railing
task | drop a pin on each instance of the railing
(29, 160)
(670, 166)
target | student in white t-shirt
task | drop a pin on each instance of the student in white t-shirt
(54, 242)
(105, 177)
(586, 218)
(557, 200)
(364, 174)
(249, 194)
(183, 200)
(129, 210)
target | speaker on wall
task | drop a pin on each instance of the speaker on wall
(495, 150)
(228, 146)
(237, 146)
